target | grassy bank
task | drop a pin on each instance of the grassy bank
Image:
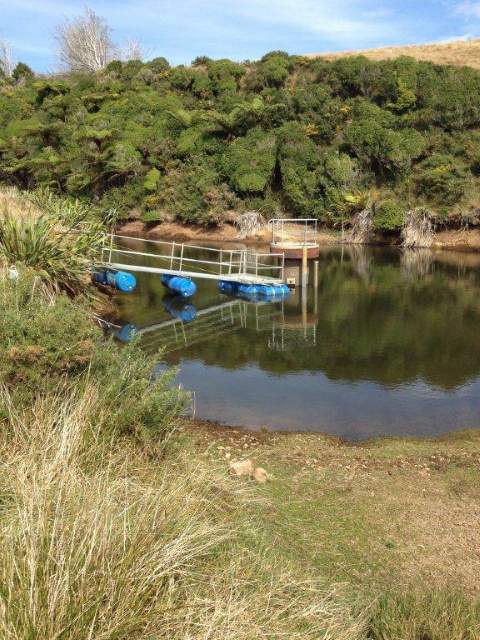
(119, 520)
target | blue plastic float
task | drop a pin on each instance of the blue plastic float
(184, 286)
(254, 291)
(121, 280)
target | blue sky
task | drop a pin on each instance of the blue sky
(241, 29)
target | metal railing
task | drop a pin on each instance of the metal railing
(294, 231)
(174, 257)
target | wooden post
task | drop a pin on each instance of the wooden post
(305, 267)
(111, 249)
(315, 274)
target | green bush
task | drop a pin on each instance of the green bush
(249, 162)
(58, 242)
(389, 215)
(51, 344)
(442, 178)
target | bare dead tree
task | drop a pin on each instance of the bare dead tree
(133, 51)
(7, 63)
(85, 43)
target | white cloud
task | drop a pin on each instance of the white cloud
(469, 9)
(340, 22)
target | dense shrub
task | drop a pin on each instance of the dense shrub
(248, 162)
(123, 136)
(388, 215)
(47, 344)
(442, 178)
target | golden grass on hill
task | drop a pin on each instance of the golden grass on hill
(459, 52)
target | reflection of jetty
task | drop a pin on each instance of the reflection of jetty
(188, 326)
(208, 324)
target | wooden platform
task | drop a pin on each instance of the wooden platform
(294, 251)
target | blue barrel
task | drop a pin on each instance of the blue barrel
(99, 276)
(274, 291)
(184, 286)
(225, 286)
(121, 280)
(126, 333)
(248, 289)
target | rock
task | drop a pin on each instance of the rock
(242, 468)
(134, 228)
(260, 475)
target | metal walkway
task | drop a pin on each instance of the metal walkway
(191, 261)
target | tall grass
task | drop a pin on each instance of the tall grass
(99, 543)
(418, 228)
(425, 615)
(59, 243)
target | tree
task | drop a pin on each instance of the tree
(6, 59)
(133, 51)
(22, 71)
(85, 44)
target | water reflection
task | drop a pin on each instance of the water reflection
(389, 343)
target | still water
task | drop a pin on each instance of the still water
(389, 344)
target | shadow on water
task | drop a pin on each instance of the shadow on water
(389, 344)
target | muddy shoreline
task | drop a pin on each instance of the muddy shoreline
(457, 240)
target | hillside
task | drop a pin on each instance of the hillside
(458, 52)
(283, 135)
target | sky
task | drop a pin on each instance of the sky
(181, 30)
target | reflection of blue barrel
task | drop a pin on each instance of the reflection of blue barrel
(184, 286)
(126, 333)
(121, 280)
(180, 310)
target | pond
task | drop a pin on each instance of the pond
(389, 344)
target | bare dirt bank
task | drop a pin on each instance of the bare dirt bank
(459, 240)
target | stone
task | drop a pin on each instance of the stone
(242, 468)
(260, 475)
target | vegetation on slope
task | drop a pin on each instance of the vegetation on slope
(286, 134)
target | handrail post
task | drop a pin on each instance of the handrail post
(171, 257)
(111, 249)
(221, 260)
(181, 256)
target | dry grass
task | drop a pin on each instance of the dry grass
(460, 52)
(384, 515)
(100, 542)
